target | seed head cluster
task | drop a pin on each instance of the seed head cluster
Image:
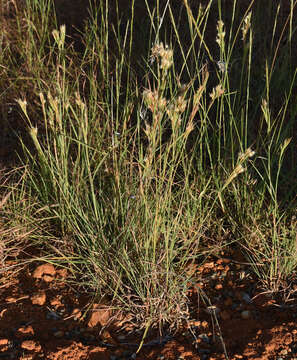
(165, 54)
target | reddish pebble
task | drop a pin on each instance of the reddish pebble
(45, 269)
(4, 342)
(38, 299)
(30, 345)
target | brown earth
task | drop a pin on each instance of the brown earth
(43, 317)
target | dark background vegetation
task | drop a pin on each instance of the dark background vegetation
(279, 54)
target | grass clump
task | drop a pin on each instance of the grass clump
(136, 170)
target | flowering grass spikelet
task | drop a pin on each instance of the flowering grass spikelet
(164, 53)
(59, 36)
(221, 34)
(23, 105)
(246, 25)
(247, 154)
(217, 92)
(222, 66)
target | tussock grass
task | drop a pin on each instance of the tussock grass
(140, 165)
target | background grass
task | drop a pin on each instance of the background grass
(156, 136)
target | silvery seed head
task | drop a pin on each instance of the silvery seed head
(222, 66)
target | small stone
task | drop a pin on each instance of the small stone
(288, 339)
(52, 315)
(48, 278)
(235, 306)
(24, 331)
(194, 323)
(56, 302)
(126, 354)
(204, 352)
(39, 299)
(99, 353)
(209, 265)
(10, 299)
(106, 336)
(204, 338)
(246, 297)
(204, 324)
(4, 342)
(59, 334)
(30, 345)
(100, 316)
(76, 313)
(45, 269)
(246, 314)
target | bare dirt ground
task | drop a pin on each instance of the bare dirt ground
(43, 317)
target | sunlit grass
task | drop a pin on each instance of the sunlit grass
(131, 173)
